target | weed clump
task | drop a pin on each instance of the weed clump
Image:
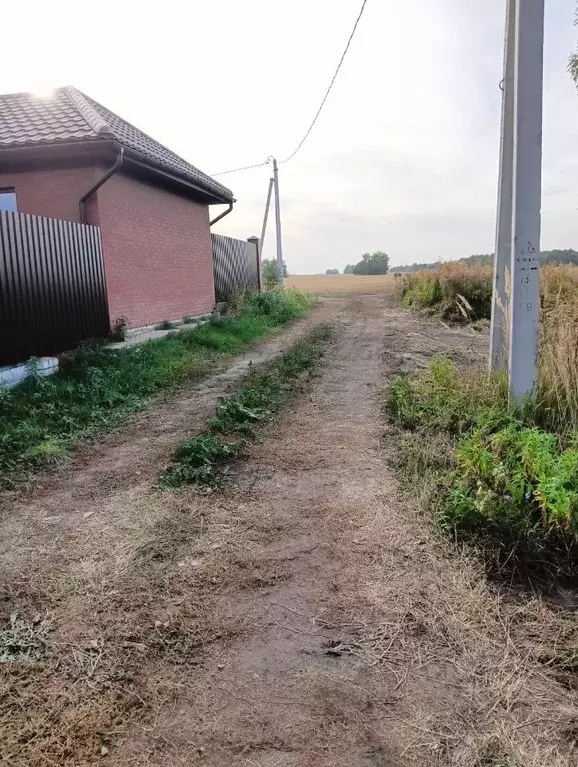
(448, 399)
(23, 640)
(234, 415)
(518, 489)
(118, 329)
(197, 460)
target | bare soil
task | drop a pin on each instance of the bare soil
(306, 616)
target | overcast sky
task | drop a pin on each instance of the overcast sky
(404, 157)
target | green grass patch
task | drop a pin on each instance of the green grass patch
(449, 399)
(96, 388)
(198, 460)
(264, 391)
(493, 476)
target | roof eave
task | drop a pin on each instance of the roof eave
(64, 152)
(21, 154)
(208, 195)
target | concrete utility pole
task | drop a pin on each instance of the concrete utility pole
(266, 216)
(503, 251)
(278, 223)
(524, 307)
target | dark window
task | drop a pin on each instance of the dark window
(8, 200)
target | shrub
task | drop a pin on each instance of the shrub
(270, 273)
(279, 306)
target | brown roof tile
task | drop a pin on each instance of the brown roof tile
(69, 116)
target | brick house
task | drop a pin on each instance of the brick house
(68, 157)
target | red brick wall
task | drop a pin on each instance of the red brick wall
(54, 193)
(157, 252)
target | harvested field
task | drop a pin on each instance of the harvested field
(330, 284)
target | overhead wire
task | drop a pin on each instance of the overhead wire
(244, 167)
(327, 92)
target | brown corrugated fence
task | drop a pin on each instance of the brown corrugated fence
(52, 286)
(235, 266)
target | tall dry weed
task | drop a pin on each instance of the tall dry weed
(558, 358)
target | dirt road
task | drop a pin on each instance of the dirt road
(304, 617)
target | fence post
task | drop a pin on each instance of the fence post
(257, 243)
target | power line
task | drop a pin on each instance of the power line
(245, 167)
(328, 91)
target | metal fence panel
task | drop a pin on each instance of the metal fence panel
(52, 286)
(235, 266)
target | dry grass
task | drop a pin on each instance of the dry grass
(144, 601)
(339, 284)
(456, 292)
(558, 361)
(472, 672)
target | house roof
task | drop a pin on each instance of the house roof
(68, 116)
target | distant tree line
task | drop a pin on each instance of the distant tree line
(371, 263)
(332, 271)
(567, 256)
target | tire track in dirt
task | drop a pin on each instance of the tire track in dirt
(72, 501)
